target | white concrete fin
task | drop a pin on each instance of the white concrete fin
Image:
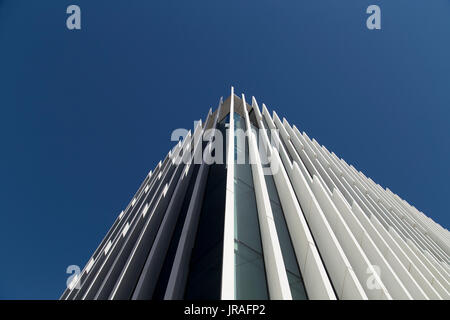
(125, 229)
(108, 246)
(228, 276)
(144, 211)
(164, 192)
(73, 282)
(89, 265)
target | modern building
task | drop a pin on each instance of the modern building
(291, 221)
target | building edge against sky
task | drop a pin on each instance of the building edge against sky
(294, 222)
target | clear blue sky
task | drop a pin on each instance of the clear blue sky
(86, 114)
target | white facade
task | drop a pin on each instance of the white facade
(352, 239)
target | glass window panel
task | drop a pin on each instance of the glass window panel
(246, 222)
(249, 272)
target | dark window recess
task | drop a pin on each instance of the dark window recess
(205, 269)
(163, 279)
(252, 118)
